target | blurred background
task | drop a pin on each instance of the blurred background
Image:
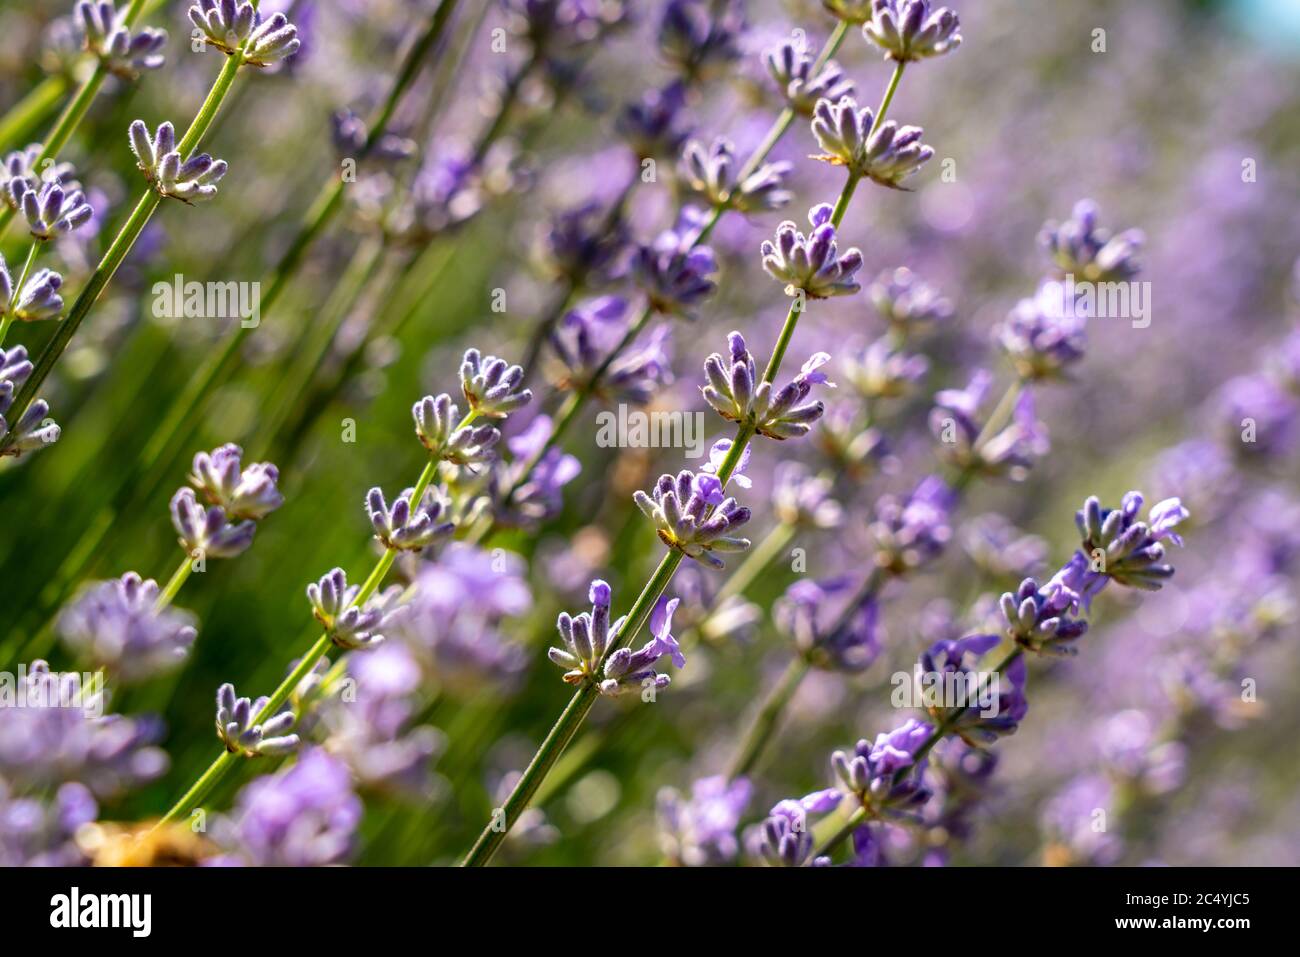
(1185, 125)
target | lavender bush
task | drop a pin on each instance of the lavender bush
(771, 493)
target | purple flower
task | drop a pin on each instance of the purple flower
(1080, 248)
(243, 492)
(236, 26)
(883, 370)
(791, 68)
(966, 707)
(712, 173)
(886, 155)
(41, 833)
(1070, 821)
(589, 333)
(351, 138)
(633, 671)
(349, 625)
(116, 625)
(832, 626)
(239, 733)
(582, 244)
(801, 498)
(697, 36)
(50, 209)
(736, 391)
(675, 274)
(1128, 551)
(1000, 549)
(1259, 418)
(700, 830)
(883, 776)
(909, 30)
(404, 527)
(208, 532)
(23, 171)
(437, 425)
(586, 636)
(812, 264)
(558, 26)
(1010, 452)
(1042, 336)
(679, 507)
(785, 838)
(193, 180)
(906, 302)
(653, 126)
(105, 34)
(492, 385)
(30, 431)
(540, 495)
(39, 298)
(304, 816)
(717, 456)
(911, 533)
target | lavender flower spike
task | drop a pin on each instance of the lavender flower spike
(207, 531)
(404, 527)
(50, 210)
(1042, 336)
(19, 172)
(491, 385)
(906, 302)
(31, 431)
(633, 671)
(792, 68)
(738, 393)
(675, 274)
(679, 507)
(39, 299)
(105, 34)
(243, 492)
(192, 181)
(813, 264)
(237, 732)
(1129, 551)
(333, 604)
(230, 25)
(711, 173)
(910, 30)
(1038, 619)
(886, 155)
(883, 775)
(435, 425)
(1080, 248)
(116, 625)
(586, 636)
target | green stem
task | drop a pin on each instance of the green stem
(178, 579)
(22, 118)
(767, 719)
(756, 561)
(569, 722)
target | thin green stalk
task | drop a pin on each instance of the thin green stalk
(222, 765)
(23, 117)
(767, 719)
(756, 561)
(174, 584)
(17, 291)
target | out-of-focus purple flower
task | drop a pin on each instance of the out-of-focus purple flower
(243, 492)
(349, 625)
(1258, 418)
(239, 732)
(437, 425)
(717, 456)
(886, 154)
(654, 126)
(1039, 618)
(582, 245)
(37, 833)
(698, 36)
(909, 30)
(50, 210)
(801, 498)
(1000, 549)
(207, 531)
(22, 171)
(882, 370)
(906, 302)
(560, 26)
(1131, 552)
(303, 816)
(1043, 336)
(55, 730)
(192, 180)
(1082, 249)
(116, 625)
(587, 335)
(39, 298)
(712, 173)
(738, 393)
(833, 627)
(236, 25)
(405, 526)
(791, 67)
(1202, 474)
(105, 34)
(911, 533)
(540, 496)
(785, 839)
(351, 138)
(884, 776)
(1132, 750)
(1010, 452)
(700, 830)
(860, 452)
(812, 264)
(30, 431)
(948, 668)
(679, 507)
(492, 385)
(1075, 821)
(674, 273)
